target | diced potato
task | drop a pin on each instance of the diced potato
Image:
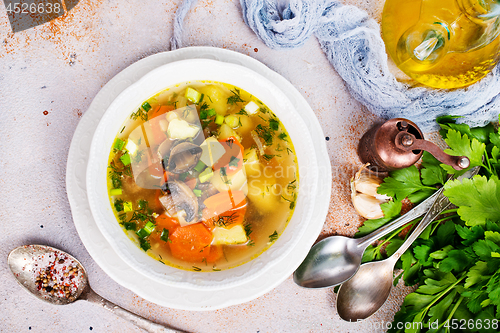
(252, 108)
(215, 98)
(181, 129)
(245, 124)
(252, 164)
(235, 182)
(263, 194)
(213, 150)
(229, 236)
(226, 132)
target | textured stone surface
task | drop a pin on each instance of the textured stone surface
(49, 76)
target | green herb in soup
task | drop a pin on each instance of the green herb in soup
(203, 176)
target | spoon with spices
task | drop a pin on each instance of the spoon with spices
(58, 278)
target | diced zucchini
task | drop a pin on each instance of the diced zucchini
(119, 144)
(125, 158)
(192, 95)
(206, 175)
(127, 206)
(219, 120)
(116, 191)
(229, 236)
(232, 121)
(252, 108)
(181, 130)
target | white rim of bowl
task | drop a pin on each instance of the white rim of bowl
(188, 279)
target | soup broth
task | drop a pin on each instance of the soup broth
(203, 176)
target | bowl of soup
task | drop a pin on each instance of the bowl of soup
(202, 175)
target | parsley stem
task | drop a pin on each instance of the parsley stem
(452, 311)
(444, 292)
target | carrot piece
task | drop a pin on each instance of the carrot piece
(216, 253)
(159, 110)
(191, 243)
(191, 183)
(224, 201)
(234, 152)
(167, 222)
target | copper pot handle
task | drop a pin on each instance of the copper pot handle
(407, 141)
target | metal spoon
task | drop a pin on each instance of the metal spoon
(368, 289)
(30, 261)
(335, 259)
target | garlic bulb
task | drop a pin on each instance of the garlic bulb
(364, 196)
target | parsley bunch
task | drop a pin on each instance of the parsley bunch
(456, 261)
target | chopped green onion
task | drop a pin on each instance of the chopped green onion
(145, 245)
(149, 227)
(219, 120)
(125, 158)
(116, 191)
(127, 206)
(197, 192)
(130, 225)
(118, 205)
(119, 144)
(146, 106)
(200, 166)
(183, 176)
(211, 112)
(142, 233)
(165, 235)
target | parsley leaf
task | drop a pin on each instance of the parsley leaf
(391, 209)
(478, 199)
(461, 145)
(405, 183)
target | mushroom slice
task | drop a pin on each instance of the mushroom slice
(183, 157)
(181, 203)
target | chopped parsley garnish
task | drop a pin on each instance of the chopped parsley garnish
(225, 220)
(273, 236)
(130, 226)
(268, 157)
(196, 269)
(233, 162)
(282, 136)
(251, 242)
(165, 236)
(274, 124)
(235, 98)
(118, 205)
(264, 133)
(242, 112)
(248, 228)
(140, 113)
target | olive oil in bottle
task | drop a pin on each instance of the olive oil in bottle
(443, 43)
